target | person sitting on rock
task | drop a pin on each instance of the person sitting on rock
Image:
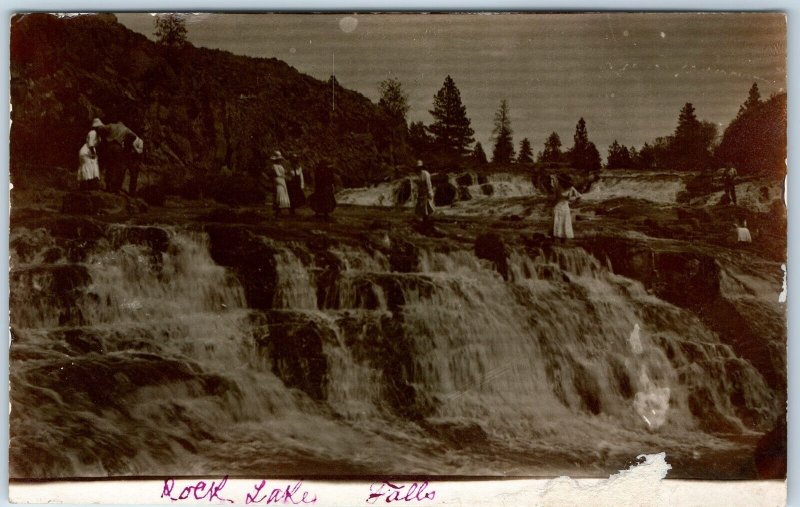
(424, 207)
(743, 233)
(121, 148)
(88, 166)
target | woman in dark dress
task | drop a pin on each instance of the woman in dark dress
(296, 185)
(323, 200)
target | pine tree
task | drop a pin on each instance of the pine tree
(394, 103)
(170, 29)
(584, 155)
(478, 155)
(503, 152)
(419, 139)
(618, 156)
(525, 152)
(451, 129)
(690, 146)
(552, 150)
(753, 100)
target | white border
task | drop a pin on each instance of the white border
(688, 493)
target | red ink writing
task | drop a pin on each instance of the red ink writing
(197, 491)
(291, 495)
(397, 493)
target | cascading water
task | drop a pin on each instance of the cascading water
(660, 188)
(151, 363)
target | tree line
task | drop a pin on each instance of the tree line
(755, 141)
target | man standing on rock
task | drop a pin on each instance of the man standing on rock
(424, 207)
(121, 148)
(729, 179)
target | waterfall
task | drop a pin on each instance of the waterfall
(150, 362)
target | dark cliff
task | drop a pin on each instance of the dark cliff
(198, 110)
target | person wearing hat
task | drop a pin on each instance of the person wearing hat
(562, 219)
(120, 149)
(424, 207)
(281, 196)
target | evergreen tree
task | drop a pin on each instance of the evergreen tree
(478, 155)
(552, 150)
(394, 100)
(394, 103)
(525, 152)
(419, 139)
(170, 29)
(584, 155)
(753, 100)
(451, 129)
(690, 146)
(618, 156)
(503, 152)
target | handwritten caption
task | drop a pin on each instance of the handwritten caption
(291, 494)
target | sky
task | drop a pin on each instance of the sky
(626, 74)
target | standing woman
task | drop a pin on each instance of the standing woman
(424, 207)
(295, 185)
(88, 166)
(281, 197)
(562, 219)
(323, 200)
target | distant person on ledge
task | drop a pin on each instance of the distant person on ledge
(323, 200)
(280, 198)
(562, 219)
(424, 207)
(729, 180)
(295, 185)
(120, 150)
(88, 167)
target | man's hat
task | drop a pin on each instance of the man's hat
(97, 122)
(276, 155)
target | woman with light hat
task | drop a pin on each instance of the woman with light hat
(88, 166)
(424, 207)
(281, 197)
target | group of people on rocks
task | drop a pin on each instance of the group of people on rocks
(113, 147)
(289, 186)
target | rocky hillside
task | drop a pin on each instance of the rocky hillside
(198, 110)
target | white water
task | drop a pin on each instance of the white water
(178, 376)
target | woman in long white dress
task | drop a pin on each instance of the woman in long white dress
(562, 218)
(88, 166)
(424, 207)
(281, 196)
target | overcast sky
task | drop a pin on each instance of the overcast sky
(628, 75)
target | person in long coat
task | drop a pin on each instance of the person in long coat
(323, 200)
(295, 185)
(562, 218)
(88, 166)
(424, 207)
(281, 193)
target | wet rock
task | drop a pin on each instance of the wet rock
(465, 180)
(464, 194)
(252, 260)
(153, 195)
(50, 292)
(403, 192)
(444, 194)
(487, 189)
(404, 256)
(294, 346)
(483, 179)
(95, 203)
(491, 247)
(155, 238)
